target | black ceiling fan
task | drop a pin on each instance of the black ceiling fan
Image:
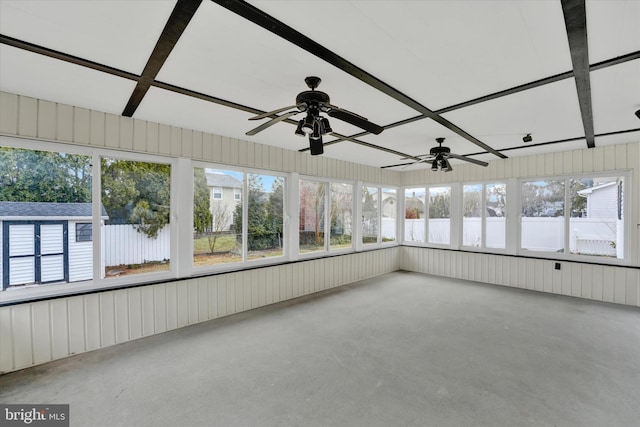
(313, 102)
(439, 157)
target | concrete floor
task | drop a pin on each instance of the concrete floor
(403, 349)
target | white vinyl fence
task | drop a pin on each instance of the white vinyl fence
(124, 245)
(588, 236)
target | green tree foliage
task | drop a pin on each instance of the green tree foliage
(439, 205)
(43, 176)
(275, 209)
(202, 217)
(137, 193)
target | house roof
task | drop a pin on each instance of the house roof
(44, 209)
(222, 180)
(483, 74)
(595, 188)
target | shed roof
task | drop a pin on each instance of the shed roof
(45, 209)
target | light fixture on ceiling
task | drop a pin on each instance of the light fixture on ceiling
(527, 138)
(638, 114)
(299, 130)
(307, 125)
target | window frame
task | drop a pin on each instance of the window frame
(625, 174)
(509, 217)
(83, 233)
(327, 250)
(360, 246)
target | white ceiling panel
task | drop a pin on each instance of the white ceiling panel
(613, 28)
(119, 34)
(45, 78)
(439, 52)
(550, 112)
(266, 71)
(178, 110)
(353, 153)
(418, 137)
(614, 104)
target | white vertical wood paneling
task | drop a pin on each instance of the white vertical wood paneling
(41, 332)
(135, 313)
(121, 299)
(76, 319)
(182, 304)
(81, 125)
(193, 296)
(64, 123)
(9, 113)
(28, 116)
(92, 332)
(107, 319)
(21, 336)
(203, 299)
(46, 120)
(59, 328)
(148, 310)
(6, 340)
(97, 123)
(172, 305)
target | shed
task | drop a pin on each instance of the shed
(46, 242)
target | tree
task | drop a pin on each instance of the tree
(369, 215)
(275, 209)
(44, 176)
(220, 218)
(439, 205)
(202, 217)
(312, 207)
(137, 193)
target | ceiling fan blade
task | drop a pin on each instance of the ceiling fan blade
(354, 119)
(467, 159)
(415, 163)
(271, 122)
(316, 146)
(271, 113)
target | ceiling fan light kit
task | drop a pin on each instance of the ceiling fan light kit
(314, 102)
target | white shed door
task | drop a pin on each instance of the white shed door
(51, 252)
(22, 254)
(36, 253)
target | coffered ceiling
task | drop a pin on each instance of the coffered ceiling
(482, 74)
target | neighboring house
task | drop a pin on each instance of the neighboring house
(389, 207)
(225, 194)
(602, 200)
(415, 206)
(45, 242)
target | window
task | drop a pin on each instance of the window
(341, 216)
(370, 196)
(596, 226)
(439, 224)
(389, 215)
(137, 198)
(83, 232)
(217, 193)
(312, 216)
(414, 214)
(216, 222)
(40, 192)
(237, 193)
(484, 215)
(265, 229)
(542, 217)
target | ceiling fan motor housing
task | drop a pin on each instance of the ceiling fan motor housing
(312, 98)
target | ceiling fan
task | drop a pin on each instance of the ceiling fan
(313, 102)
(439, 157)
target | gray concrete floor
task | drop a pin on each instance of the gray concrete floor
(403, 349)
